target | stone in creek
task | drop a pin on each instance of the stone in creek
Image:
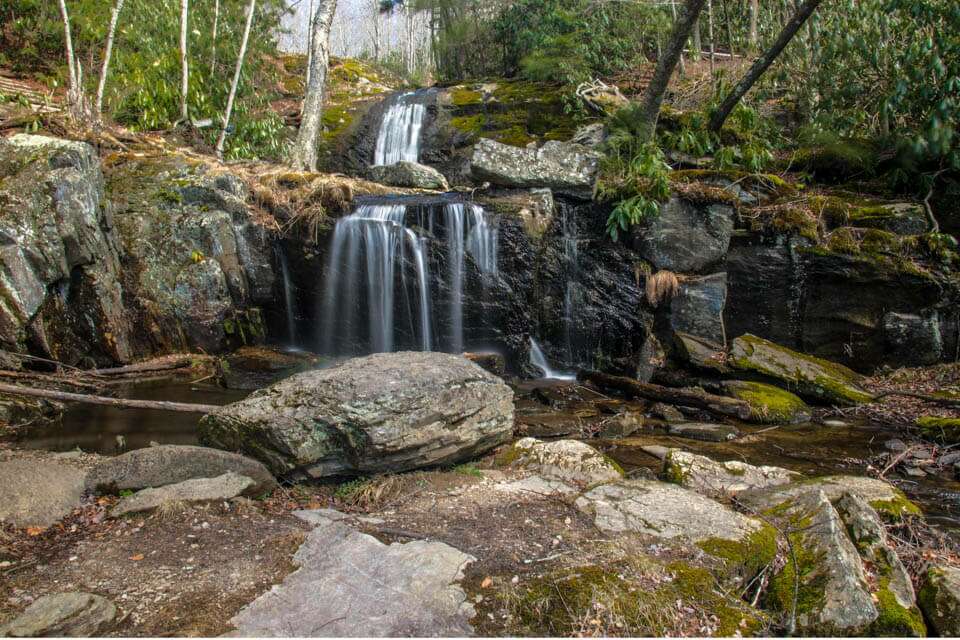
(712, 478)
(704, 431)
(386, 412)
(409, 174)
(73, 615)
(351, 584)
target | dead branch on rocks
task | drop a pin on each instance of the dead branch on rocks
(103, 400)
(688, 397)
(944, 402)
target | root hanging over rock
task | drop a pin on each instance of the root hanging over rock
(661, 286)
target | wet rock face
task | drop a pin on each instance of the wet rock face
(60, 294)
(697, 309)
(381, 413)
(685, 237)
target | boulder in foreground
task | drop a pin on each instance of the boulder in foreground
(229, 485)
(35, 493)
(387, 412)
(558, 165)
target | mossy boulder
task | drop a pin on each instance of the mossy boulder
(556, 165)
(837, 160)
(769, 404)
(712, 478)
(945, 430)
(939, 600)
(813, 378)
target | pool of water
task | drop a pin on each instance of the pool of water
(112, 430)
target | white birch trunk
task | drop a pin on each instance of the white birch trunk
(213, 39)
(184, 66)
(68, 44)
(303, 155)
(236, 78)
(108, 52)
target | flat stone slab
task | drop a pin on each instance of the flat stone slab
(882, 496)
(224, 487)
(350, 584)
(711, 478)
(704, 431)
(535, 485)
(170, 464)
(663, 510)
(564, 460)
(34, 493)
(74, 615)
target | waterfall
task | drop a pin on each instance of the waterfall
(399, 136)
(287, 295)
(378, 268)
(538, 360)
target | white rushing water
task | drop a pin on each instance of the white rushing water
(378, 269)
(399, 136)
(538, 360)
(288, 296)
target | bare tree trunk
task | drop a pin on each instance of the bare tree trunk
(762, 64)
(184, 66)
(673, 9)
(111, 34)
(376, 31)
(697, 42)
(729, 25)
(213, 45)
(754, 37)
(653, 96)
(251, 9)
(713, 45)
(309, 46)
(304, 153)
(73, 89)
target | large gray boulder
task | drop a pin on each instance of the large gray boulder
(381, 413)
(60, 261)
(35, 493)
(229, 485)
(409, 174)
(812, 378)
(351, 584)
(72, 615)
(557, 165)
(685, 237)
(170, 464)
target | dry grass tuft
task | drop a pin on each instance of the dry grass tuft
(661, 286)
(171, 509)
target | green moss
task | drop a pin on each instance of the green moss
(747, 557)
(461, 97)
(838, 160)
(769, 404)
(844, 241)
(673, 472)
(812, 587)
(896, 508)
(945, 430)
(471, 125)
(508, 456)
(895, 620)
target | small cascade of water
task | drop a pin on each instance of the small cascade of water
(538, 360)
(399, 136)
(287, 295)
(379, 269)
(571, 261)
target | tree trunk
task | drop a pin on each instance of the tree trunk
(73, 89)
(111, 34)
(688, 397)
(673, 10)
(754, 37)
(184, 66)
(213, 45)
(762, 64)
(251, 9)
(653, 96)
(63, 396)
(304, 153)
(697, 42)
(309, 46)
(713, 46)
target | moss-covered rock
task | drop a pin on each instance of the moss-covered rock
(769, 404)
(939, 600)
(566, 460)
(838, 160)
(712, 478)
(810, 377)
(945, 430)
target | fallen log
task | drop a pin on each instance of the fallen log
(687, 397)
(943, 402)
(123, 403)
(165, 363)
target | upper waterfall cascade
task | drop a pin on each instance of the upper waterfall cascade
(378, 275)
(399, 136)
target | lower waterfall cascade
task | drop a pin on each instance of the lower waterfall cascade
(379, 294)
